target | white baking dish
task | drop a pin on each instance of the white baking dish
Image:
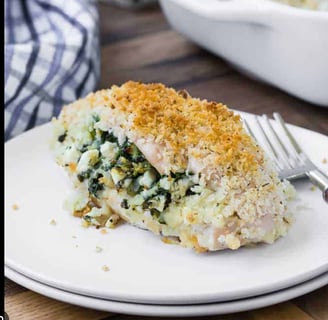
(282, 45)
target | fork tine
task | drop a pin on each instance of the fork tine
(287, 168)
(248, 128)
(282, 123)
(285, 153)
(276, 157)
(298, 153)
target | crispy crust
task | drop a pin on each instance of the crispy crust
(238, 198)
(186, 126)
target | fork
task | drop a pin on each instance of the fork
(290, 160)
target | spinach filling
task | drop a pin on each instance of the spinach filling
(130, 170)
(62, 137)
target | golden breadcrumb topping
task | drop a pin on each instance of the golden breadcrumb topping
(187, 126)
(186, 123)
(232, 197)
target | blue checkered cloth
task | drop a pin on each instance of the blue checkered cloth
(51, 58)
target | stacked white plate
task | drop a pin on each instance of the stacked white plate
(128, 270)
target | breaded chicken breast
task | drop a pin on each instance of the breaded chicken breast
(178, 166)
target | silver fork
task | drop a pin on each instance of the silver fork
(290, 160)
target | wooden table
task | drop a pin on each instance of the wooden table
(140, 45)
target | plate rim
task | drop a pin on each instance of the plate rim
(212, 297)
(206, 309)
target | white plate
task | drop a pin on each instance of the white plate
(172, 310)
(142, 268)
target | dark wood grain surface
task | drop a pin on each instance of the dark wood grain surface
(140, 45)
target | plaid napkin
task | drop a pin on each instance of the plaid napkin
(51, 58)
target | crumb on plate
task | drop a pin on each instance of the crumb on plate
(53, 222)
(15, 206)
(105, 268)
(169, 240)
(99, 249)
(85, 224)
(313, 188)
(103, 231)
(324, 160)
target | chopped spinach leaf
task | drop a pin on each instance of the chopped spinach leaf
(84, 148)
(62, 137)
(154, 212)
(96, 117)
(168, 200)
(87, 218)
(134, 188)
(98, 164)
(124, 204)
(132, 153)
(84, 175)
(95, 185)
(189, 192)
(107, 136)
(158, 215)
(178, 175)
(106, 167)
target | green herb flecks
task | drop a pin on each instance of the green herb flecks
(84, 175)
(62, 137)
(96, 117)
(124, 204)
(94, 185)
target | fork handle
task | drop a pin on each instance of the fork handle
(319, 179)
